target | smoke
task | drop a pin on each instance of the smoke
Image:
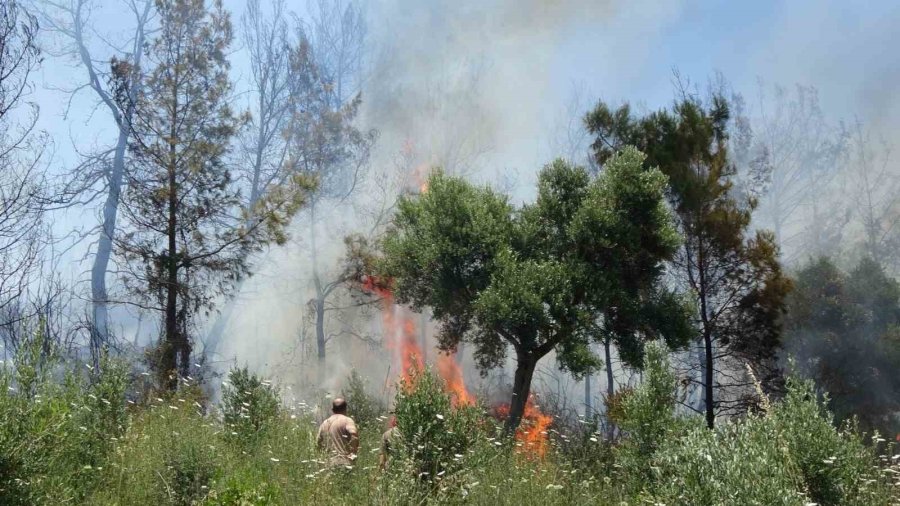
(477, 88)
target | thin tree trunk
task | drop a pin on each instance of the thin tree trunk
(708, 381)
(171, 341)
(100, 327)
(610, 388)
(320, 294)
(525, 365)
(588, 404)
(320, 329)
(610, 380)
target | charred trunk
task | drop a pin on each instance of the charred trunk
(525, 365)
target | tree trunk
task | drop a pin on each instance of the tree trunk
(320, 293)
(171, 339)
(708, 381)
(588, 408)
(525, 365)
(170, 343)
(610, 380)
(610, 388)
(100, 326)
(320, 328)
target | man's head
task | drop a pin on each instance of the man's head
(339, 406)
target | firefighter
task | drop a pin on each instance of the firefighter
(388, 442)
(338, 436)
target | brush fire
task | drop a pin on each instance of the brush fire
(399, 338)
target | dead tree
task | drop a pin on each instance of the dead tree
(101, 176)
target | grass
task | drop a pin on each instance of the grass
(71, 438)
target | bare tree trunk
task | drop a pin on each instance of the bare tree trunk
(610, 388)
(588, 404)
(320, 294)
(610, 380)
(171, 343)
(100, 327)
(708, 380)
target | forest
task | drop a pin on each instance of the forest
(536, 257)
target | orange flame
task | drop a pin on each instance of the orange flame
(531, 435)
(449, 369)
(399, 328)
(400, 338)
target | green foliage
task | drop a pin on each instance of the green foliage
(172, 452)
(844, 329)
(646, 414)
(735, 464)
(57, 426)
(581, 264)
(188, 230)
(836, 466)
(249, 405)
(435, 436)
(790, 454)
(733, 274)
(366, 410)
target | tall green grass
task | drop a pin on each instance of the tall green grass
(69, 438)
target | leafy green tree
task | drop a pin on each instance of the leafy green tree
(733, 274)
(189, 236)
(844, 330)
(584, 261)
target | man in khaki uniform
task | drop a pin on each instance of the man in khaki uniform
(338, 436)
(388, 441)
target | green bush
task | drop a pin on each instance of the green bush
(836, 466)
(365, 409)
(249, 406)
(435, 436)
(58, 426)
(646, 417)
(735, 464)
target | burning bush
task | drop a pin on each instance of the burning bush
(436, 433)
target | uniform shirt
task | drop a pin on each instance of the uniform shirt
(338, 436)
(389, 437)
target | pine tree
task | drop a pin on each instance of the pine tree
(733, 273)
(188, 236)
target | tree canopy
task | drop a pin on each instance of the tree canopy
(843, 329)
(733, 274)
(581, 263)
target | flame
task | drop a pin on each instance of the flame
(449, 369)
(400, 338)
(399, 328)
(532, 432)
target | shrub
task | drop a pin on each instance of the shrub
(646, 417)
(57, 427)
(365, 409)
(836, 466)
(435, 436)
(249, 405)
(735, 464)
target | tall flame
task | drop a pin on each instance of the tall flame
(400, 339)
(449, 369)
(399, 329)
